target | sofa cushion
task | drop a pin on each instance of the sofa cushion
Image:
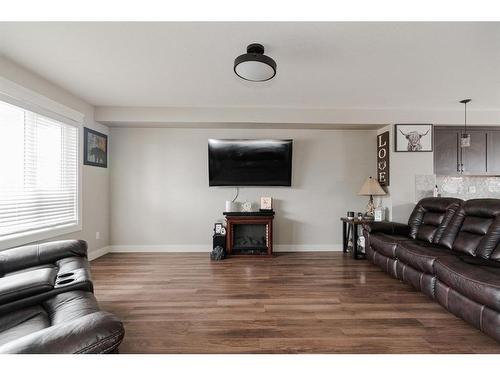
(479, 283)
(22, 323)
(420, 255)
(387, 227)
(386, 243)
(419, 280)
(45, 253)
(387, 264)
(42, 282)
(495, 254)
(477, 261)
(477, 223)
(69, 306)
(24, 284)
(430, 217)
(67, 323)
(482, 317)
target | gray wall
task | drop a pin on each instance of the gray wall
(95, 189)
(161, 199)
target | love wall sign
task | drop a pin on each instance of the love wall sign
(383, 159)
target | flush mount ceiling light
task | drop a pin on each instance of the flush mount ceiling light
(254, 65)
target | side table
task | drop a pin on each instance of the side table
(350, 229)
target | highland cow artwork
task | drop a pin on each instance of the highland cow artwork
(95, 151)
(413, 137)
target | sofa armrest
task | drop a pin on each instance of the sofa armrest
(387, 227)
(99, 332)
(33, 255)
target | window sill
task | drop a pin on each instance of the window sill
(7, 242)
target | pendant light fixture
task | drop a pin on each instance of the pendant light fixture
(465, 137)
(254, 65)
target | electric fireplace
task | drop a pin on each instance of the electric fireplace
(249, 233)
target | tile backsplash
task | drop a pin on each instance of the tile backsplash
(464, 187)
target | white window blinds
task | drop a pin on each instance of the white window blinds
(38, 172)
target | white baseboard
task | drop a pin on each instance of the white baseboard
(294, 248)
(159, 248)
(206, 248)
(94, 254)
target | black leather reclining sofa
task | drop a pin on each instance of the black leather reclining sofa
(449, 250)
(47, 303)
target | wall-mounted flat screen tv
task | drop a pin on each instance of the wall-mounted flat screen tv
(250, 162)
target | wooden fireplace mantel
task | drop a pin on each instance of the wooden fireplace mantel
(248, 218)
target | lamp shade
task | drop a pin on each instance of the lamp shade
(371, 187)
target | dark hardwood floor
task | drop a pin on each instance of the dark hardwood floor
(314, 302)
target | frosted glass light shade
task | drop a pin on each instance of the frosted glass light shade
(254, 71)
(254, 65)
(465, 140)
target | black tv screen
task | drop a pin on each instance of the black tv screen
(250, 162)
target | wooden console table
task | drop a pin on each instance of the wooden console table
(262, 245)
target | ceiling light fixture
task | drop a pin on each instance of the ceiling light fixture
(465, 137)
(254, 65)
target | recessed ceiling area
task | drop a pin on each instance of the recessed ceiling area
(361, 69)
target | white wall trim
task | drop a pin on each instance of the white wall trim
(160, 248)
(312, 247)
(205, 248)
(31, 100)
(145, 116)
(94, 254)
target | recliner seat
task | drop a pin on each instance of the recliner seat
(427, 223)
(70, 322)
(47, 305)
(49, 269)
(448, 254)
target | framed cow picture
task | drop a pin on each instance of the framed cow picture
(95, 148)
(413, 138)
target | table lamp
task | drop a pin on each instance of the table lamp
(370, 188)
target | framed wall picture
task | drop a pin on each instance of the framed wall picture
(413, 138)
(218, 228)
(266, 203)
(95, 148)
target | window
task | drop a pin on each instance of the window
(39, 176)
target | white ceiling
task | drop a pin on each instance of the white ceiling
(333, 65)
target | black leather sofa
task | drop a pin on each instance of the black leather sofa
(449, 250)
(47, 303)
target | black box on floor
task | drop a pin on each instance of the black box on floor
(219, 247)
(219, 240)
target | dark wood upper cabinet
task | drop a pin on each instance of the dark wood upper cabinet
(446, 152)
(493, 151)
(474, 157)
(481, 158)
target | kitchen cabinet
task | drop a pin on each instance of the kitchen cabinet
(481, 158)
(474, 157)
(446, 158)
(493, 152)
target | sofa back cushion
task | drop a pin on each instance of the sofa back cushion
(431, 216)
(477, 227)
(495, 254)
(22, 257)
